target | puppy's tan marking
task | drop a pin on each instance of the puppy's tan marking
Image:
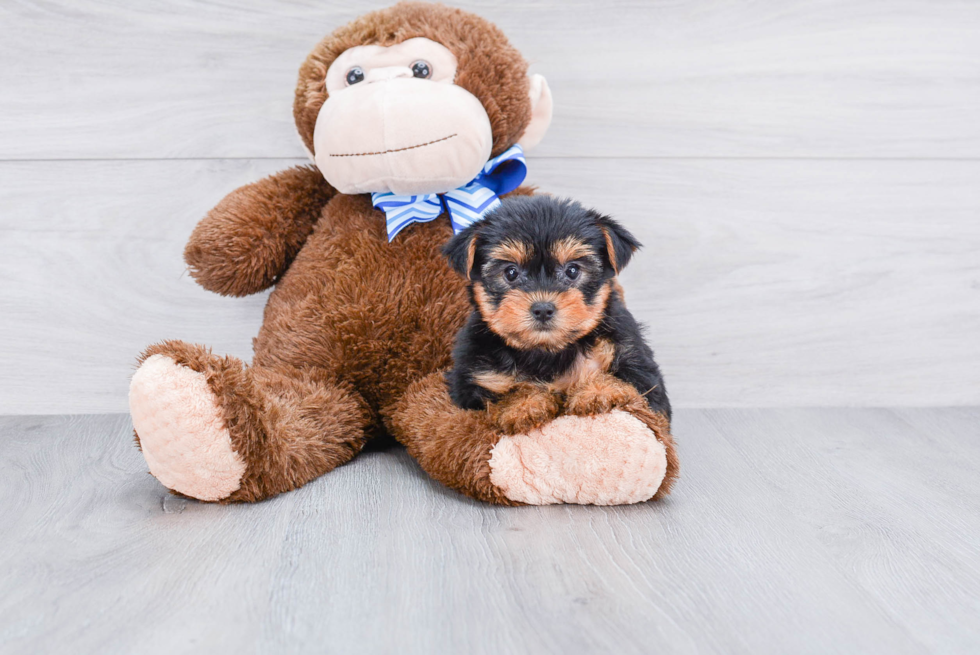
(599, 359)
(575, 317)
(483, 301)
(470, 258)
(618, 289)
(512, 319)
(603, 353)
(495, 381)
(512, 251)
(570, 248)
(611, 250)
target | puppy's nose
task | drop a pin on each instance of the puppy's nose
(543, 311)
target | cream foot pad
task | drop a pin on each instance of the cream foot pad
(610, 459)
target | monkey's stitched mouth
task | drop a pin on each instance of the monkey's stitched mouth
(385, 152)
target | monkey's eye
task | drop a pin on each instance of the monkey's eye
(572, 271)
(511, 273)
(421, 69)
(355, 75)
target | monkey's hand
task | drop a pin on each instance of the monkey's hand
(525, 407)
(248, 241)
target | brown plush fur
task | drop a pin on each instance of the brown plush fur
(357, 329)
(288, 424)
(660, 426)
(452, 445)
(378, 315)
(245, 243)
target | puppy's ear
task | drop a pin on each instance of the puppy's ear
(461, 252)
(620, 244)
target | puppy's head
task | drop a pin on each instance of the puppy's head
(541, 269)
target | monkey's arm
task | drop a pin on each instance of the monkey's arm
(249, 239)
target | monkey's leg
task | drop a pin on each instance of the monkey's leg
(618, 457)
(214, 430)
(453, 445)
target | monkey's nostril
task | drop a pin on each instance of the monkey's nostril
(543, 311)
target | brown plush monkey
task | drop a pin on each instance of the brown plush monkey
(414, 99)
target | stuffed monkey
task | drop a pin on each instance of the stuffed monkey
(416, 117)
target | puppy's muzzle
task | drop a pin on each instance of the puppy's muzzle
(543, 312)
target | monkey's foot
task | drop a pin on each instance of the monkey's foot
(181, 430)
(608, 459)
(619, 457)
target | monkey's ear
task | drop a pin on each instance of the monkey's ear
(461, 251)
(541, 107)
(620, 244)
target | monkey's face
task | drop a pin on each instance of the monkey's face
(395, 121)
(415, 99)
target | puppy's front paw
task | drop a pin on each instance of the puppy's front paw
(598, 393)
(525, 408)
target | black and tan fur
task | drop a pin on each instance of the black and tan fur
(548, 313)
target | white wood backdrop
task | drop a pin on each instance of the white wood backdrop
(806, 176)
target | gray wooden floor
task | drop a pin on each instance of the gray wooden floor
(792, 531)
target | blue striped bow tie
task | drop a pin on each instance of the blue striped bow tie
(465, 205)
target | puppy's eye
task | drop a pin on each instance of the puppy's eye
(511, 273)
(572, 271)
(355, 75)
(421, 69)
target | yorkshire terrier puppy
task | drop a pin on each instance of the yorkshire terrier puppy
(549, 331)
